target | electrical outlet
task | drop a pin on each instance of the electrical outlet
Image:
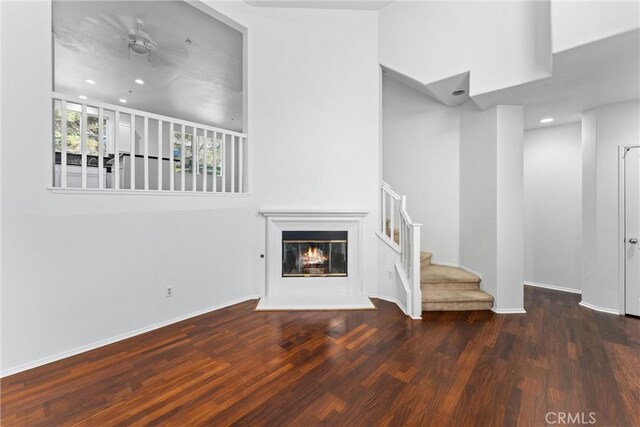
(169, 291)
(390, 274)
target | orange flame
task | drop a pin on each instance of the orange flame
(313, 256)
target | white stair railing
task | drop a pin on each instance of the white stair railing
(390, 209)
(406, 241)
(410, 258)
(105, 147)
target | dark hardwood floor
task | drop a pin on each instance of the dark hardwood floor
(359, 368)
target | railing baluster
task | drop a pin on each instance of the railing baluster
(182, 163)
(63, 144)
(401, 223)
(116, 153)
(233, 164)
(241, 165)
(384, 213)
(83, 145)
(132, 151)
(100, 148)
(146, 153)
(160, 156)
(205, 160)
(392, 219)
(215, 162)
(194, 158)
(223, 158)
(172, 169)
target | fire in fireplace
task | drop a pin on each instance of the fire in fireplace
(314, 253)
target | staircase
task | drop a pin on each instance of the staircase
(450, 289)
(424, 286)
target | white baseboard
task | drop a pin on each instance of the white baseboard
(553, 287)
(446, 264)
(396, 302)
(392, 300)
(470, 271)
(509, 310)
(598, 308)
(107, 341)
(461, 267)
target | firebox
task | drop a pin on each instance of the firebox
(314, 253)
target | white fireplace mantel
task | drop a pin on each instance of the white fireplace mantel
(314, 293)
(303, 213)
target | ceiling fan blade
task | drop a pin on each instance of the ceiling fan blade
(158, 59)
(179, 51)
(74, 39)
(119, 26)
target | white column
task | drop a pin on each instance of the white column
(492, 202)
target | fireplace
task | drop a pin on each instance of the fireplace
(314, 260)
(314, 253)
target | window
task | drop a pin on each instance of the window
(74, 118)
(211, 153)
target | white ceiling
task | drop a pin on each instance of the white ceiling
(599, 73)
(322, 4)
(201, 81)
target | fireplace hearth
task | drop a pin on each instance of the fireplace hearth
(314, 253)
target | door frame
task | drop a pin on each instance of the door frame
(622, 260)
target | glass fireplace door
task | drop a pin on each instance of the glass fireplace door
(314, 254)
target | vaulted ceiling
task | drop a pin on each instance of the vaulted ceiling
(199, 79)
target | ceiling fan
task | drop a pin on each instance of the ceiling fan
(139, 41)
(114, 33)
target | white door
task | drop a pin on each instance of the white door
(632, 231)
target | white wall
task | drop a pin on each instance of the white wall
(478, 195)
(553, 205)
(421, 160)
(492, 203)
(574, 23)
(314, 117)
(604, 129)
(83, 268)
(502, 43)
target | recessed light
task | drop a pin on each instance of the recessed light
(82, 97)
(122, 100)
(458, 92)
(139, 81)
(91, 82)
(547, 120)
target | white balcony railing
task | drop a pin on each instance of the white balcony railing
(402, 234)
(100, 146)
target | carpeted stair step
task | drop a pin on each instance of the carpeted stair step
(456, 300)
(435, 276)
(451, 289)
(425, 259)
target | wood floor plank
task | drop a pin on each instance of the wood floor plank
(236, 366)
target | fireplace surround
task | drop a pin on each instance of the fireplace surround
(313, 260)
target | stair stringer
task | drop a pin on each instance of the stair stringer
(409, 302)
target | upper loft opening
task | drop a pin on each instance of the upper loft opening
(193, 72)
